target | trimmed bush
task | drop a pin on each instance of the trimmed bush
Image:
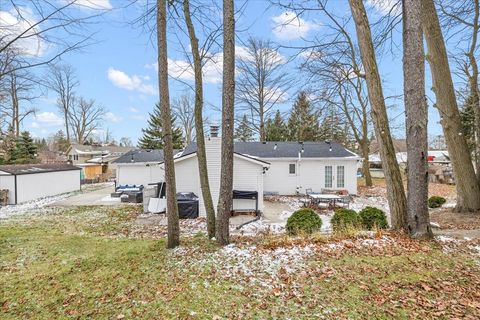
(345, 218)
(303, 220)
(373, 217)
(436, 201)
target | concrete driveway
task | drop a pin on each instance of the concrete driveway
(95, 197)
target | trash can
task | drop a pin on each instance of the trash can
(187, 205)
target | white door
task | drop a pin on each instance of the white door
(334, 177)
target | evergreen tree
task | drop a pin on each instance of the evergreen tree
(303, 121)
(276, 128)
(25, 150)
(61, 141)
(467, 116)
(243, 132)
(152, 136)
(332, 128)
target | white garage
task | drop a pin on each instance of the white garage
(140, 167)
(33, 181)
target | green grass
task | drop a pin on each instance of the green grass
(66, 265)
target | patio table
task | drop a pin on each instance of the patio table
(330, 198)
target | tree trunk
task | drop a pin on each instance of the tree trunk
(172, 210)
(366, 164)
(416, 120)
(395, 191)
(473, 80)
(15, 106)
(201, 154)
(228, 91)
(468, 189)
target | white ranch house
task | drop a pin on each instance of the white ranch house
(283, 168)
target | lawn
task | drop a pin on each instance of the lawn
(88, 263)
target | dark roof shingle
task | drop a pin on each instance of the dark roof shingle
(18, 169)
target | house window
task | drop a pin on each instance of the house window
(75, 157)
(340, 176)
(328, 176)
(292, 168)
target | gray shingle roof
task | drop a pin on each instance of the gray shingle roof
(285, 149)
(19, 169)
(282, 149)
(266, 150)
(141, 155)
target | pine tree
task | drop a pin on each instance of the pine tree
(152, 136)
(243, 132)
(303, 121)
(61, 141)
(25, 150)
(467, 116)
(331, 128)
(276, 128)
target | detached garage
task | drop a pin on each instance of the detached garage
(33, 181)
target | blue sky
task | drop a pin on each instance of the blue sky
(118, 71)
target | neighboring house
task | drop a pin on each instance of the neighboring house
(32, 181)
(435, 158)
(96, 161)
(284, 168)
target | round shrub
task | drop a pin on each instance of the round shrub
(436, 201)
(303, 220)
(344, 218)
(373, 217)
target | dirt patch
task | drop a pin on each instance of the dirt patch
(452, 220)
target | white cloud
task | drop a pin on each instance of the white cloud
(289, 26)
(133, 110)
(212, 69)
(48, 118)
(34, 125)
(111, 117)
(132, 83)
(244, 53)
(13, 23)
(386, 7)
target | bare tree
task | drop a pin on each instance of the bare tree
(62, 80)
(395, 191)
(85, 117)
(261, 82)
(201, 153)
(416, 120)
(183, 110)
(468, 189)
(19, 89)
(125, 142)
(173, 238)
(228, 93)
(334, 71)
(460, 19)
(58, 26)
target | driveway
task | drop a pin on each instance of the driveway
(96, 197)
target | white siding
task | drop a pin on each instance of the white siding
(139, 174)
(247, 176)
(39, 185)
(310, 174)
(8, 182)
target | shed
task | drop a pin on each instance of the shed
(28, 182)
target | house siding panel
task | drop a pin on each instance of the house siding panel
(310, 174)
(8, 182)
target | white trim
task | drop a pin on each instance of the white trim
(311, 159)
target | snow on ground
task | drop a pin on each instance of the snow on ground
(40, 205)
(31, 207)
(263, 267)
